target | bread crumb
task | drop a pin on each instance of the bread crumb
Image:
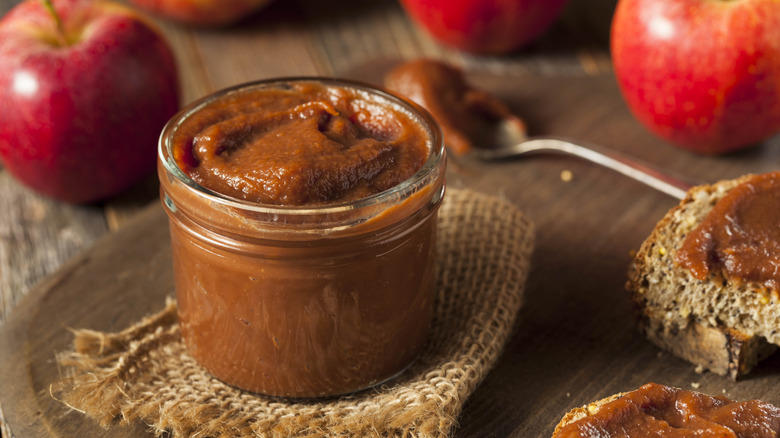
(592, 408)
(695, 385)
(724, 390)
(568, 394)
(699, 369)
(566, 176)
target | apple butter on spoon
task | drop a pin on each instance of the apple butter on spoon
(464, 113)
(477, 123)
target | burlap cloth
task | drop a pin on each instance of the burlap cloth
(145, 373)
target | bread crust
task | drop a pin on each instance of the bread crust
(584, 411)
(722, 326)
(720, 350)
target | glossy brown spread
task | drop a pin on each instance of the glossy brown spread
(327, 319)
(740, 236)
(467, 115)
(271, 304)
(657, 410)
(303, 144)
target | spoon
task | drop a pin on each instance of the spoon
(444, 91)
(510, 142)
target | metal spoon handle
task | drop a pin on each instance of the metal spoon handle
(643, 173)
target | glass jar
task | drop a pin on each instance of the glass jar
(304, 301)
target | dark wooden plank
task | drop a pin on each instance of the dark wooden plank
(39, 326)
(6, 5)
(37, 236)
(274, 42)
(357, 32)
(575, 340)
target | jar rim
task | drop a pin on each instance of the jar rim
(392, 195)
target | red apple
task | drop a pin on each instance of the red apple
(484, 26)
(83, 102)
(202, 12)
(702, 74)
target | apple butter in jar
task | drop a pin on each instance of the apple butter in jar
(303, 223)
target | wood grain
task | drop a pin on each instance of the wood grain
(37, 235)
(38, 328)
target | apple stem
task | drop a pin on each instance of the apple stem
(63, 40)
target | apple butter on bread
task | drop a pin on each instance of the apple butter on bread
(740, 236)
(704, 283)
(659, 410)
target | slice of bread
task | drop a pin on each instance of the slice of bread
(723, 326)
(584, 411)
(661, 411)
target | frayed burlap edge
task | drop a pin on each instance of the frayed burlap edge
(145, 373)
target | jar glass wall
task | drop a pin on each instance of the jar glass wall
(304, 301)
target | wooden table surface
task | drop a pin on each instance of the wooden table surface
(586, 227)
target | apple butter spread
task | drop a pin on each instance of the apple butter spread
(658, 410)
(303, 223)
(740, 236)
(467, 115)
(303, 144)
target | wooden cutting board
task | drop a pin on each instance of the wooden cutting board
(575, 340)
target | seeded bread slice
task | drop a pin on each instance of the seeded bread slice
(723, 326)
